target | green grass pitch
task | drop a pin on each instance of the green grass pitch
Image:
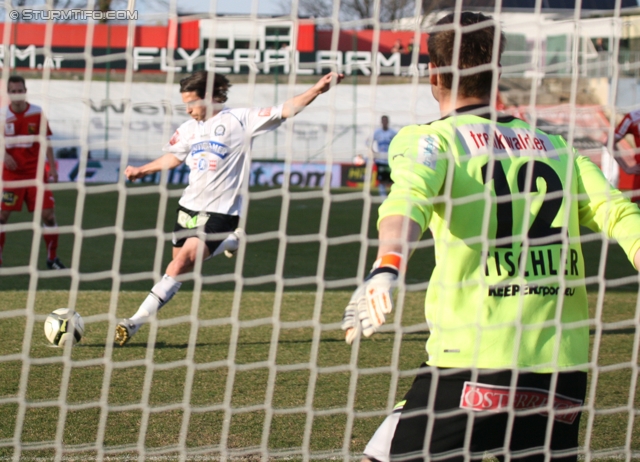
(306, 328)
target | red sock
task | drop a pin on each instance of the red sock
(3, 235)
(51, 241)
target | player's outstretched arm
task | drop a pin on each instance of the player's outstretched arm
(369, 304)
(166, 162)
(299, 102)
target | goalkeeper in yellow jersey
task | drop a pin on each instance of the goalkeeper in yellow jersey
(507, 354)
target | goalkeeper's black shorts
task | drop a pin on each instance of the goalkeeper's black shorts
(501, 420)
(213, 225)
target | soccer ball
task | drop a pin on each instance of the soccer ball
(64, 325)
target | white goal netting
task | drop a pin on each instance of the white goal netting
(248, 361)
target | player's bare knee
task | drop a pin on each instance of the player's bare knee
(4, 216)
(179, 266)
(182, 262)
(49, 217)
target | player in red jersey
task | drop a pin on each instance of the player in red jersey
(21, 130)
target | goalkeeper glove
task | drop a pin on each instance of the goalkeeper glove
(372, 300)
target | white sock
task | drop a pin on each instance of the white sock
(383, 189)
(230, 243)
(159, 296)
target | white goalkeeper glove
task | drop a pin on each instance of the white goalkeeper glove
(373, 299)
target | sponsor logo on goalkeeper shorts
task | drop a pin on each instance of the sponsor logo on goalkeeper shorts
(494, 398)
(211, 147)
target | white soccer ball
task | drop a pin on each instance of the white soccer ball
(64, 325)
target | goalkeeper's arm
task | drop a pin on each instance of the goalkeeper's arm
(373, 299)
(396, 231)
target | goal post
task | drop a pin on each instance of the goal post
(248, 360)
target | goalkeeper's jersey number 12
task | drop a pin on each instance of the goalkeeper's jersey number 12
(541, 230)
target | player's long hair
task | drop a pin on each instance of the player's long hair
(476, 49)
(198, 82)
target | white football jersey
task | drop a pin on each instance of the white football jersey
(216, 151)
(383, 138)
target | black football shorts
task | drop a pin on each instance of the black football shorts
(190, 224)
(469, 412)
(384, 172)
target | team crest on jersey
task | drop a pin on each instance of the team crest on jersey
(9, 129)
(428, 148)
(265, 112)
(32, 128)
(210, 147)
(219, 130)
(203, 164)
(9, 198)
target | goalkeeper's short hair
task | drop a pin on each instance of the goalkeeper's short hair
(198, 82)
(476, 49)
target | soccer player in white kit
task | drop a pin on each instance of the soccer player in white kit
(382, 138)
(214, 144)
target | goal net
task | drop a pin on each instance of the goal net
(248, 360)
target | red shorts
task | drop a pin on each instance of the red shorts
(12, 199)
